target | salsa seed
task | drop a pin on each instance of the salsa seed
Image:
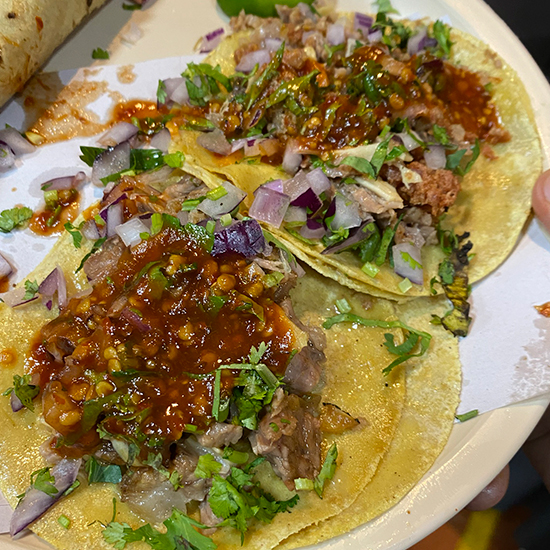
(69, 418)
(226, 282)
(103, 388)
(114, 365)
(110, 353)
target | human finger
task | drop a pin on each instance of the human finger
(493, 493)
(541, 198)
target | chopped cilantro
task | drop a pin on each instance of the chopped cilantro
(14, 217)
(95, 247)
(98, 472)
(440, 134)
(161, 92)
(99, 53)
(89, 154)
(442, 33)
(207, 466)
(181, 533)
(384, 6)
(407, 258)
(75, 233)
(131, 7)
(31, 290)
(42, 480)
(23, 390)
(405, 350)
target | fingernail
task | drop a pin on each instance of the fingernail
(546, 188)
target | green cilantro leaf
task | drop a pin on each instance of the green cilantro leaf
(98, 472)
(24, 390)
(14, 217)
(95, 247)
(361, 165)
(207, 466)
(75, 233)
(423, 338)
(440, 134)
(385, 6)
(407, 258)
(161, 92)
(442, 33)
(89, 154)
(99, 53)
(42, 480)
(31, 290)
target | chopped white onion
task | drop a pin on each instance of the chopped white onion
(291, 159)
(435, 157)
(111, 162)
(407, 261)
(414, 45)
(408, 140)
(7, 158)
(375, 36)
(296, 186)
(272, 44)
(114, 218)
(336, 34)
(64, 182)
(295, 214)
(269, 206)
(318, 181)
(130, 231)
(225, 204)
(346, 216)
(250, 60)
(181, 94)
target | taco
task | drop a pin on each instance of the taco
(179, 382)
(364, 142)
(30, 32)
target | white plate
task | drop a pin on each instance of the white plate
(478, 449)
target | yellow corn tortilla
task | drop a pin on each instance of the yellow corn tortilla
(354, 381)
(493, 204)
(433, 389)
(29, 33)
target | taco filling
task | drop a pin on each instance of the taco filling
(182, 371)
(370, 118)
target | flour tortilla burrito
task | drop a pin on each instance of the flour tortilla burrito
(102, 399)
(29, 33)
(367, 205)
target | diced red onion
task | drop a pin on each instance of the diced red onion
(250, 60)
(54, 282)
(312, 230)
(245, 238)
(318, 181)
(346, 215)
(161, 140)
(375, 36)
(180, 94)
(90, 231)
(134, 319)
(403, 267)
(416, 41)
(115, 216)
(225, 204)
(269, 147)
(296, 186)
(15, 402)
(305, 10)
(171, 85)
(435, 157)
(122, 131)
(215, 141)
(64, 182)
(16, 142)
(5, 267)
(36, 502)
(15, 297)
(272, 44)
(111, 162)
(295, 214)
(308, 200)
(7, 158)
(238, 144)
(336, 34)
(211, 40)
(291, 159)
(276, 185)
(363, 23)
(130, 231)
(252, 147)
(269, 206)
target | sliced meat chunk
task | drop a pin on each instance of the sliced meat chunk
(220, 435)
(303, 373)
(437, 190)
(103, 263)
(289, 437)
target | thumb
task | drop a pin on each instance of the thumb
(541, 199)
